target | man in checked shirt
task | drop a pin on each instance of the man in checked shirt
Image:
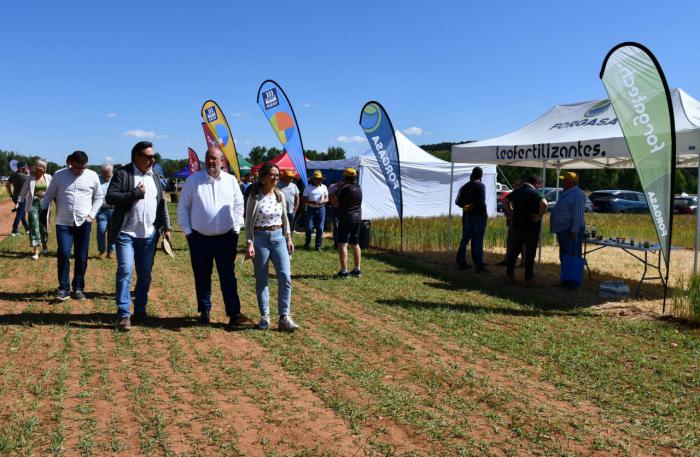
(567, 217)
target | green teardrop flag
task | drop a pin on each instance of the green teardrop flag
(640, 96)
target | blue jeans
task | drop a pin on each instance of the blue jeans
(77, 238)
(103, 217)
(315, 218)
(473, 228)
(290, 217)
(204, 251)
(132, 250)
(19, 217)
(569, 245)
(272, 246)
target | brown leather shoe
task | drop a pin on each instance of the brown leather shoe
(238, 320)
(109, 255)
(101, 255)
(124, 324)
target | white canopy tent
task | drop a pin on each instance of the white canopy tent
(425, 181)
(580, 136)
(584, 136)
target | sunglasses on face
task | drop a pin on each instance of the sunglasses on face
(151, 157)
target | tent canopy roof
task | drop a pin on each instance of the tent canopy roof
(283, 161)
(409, 153)
(581, 135)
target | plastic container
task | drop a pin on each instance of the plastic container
(614, 289)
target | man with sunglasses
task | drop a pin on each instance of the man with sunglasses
(78, 196)
(140, 213)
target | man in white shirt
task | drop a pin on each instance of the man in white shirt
(140, 214)
(315, 197)
(104, 215)
(210, 214)
(78, 196)
(291, 195)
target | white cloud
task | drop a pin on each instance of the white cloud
(350, 139)
(109, 159)
(307, 105)
(111, 114)
(415, 131)
(149, 134)
(248, 142)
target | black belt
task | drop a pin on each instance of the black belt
(269, 228)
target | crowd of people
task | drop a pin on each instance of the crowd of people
(130, 210)
(524, 209)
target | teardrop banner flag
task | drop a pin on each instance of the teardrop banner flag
(212, 141)
(279, 112)
(641, 99)
(194, 161)
(377, 126)
(215, 120)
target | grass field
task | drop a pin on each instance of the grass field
(431, 234)
(408, 360)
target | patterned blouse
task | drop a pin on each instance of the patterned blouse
(269, 211)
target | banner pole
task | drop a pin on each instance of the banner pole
(697, 227)
(449, 208)
(544, 183)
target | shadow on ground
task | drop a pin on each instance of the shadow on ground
(546, 295)
(105, 320)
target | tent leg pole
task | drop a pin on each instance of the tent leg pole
(449, 208)
(697, 227)
(544, 182)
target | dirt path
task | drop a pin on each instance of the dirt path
(7, 217)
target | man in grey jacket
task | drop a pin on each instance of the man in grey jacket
(140, 214)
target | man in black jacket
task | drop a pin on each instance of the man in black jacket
(140, 214)
(472, 199)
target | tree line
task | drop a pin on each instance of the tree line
(260, 154)
(590, 180)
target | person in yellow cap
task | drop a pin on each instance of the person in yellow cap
(291, 194)
(567, 218)
(315, 198)
(347, 201)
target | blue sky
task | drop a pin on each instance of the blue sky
(97, 75)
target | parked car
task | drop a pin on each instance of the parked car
(619, 201)
(501, 187)
(552, 197)
(685, 204)
(500, 195)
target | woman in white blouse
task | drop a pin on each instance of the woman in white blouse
(32, 194)
(268, 239)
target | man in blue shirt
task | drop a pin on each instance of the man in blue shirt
(567, 219)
